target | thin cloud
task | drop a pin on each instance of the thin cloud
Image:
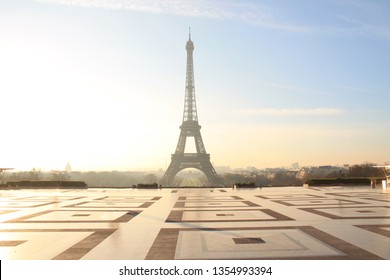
(356, 89)
(362, 91)
(355, 18)
(361, 18)
(223, 10)
(358, 28)
(293, 112)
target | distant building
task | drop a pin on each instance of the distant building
(68, 168)
(295, 165)
(223, 169)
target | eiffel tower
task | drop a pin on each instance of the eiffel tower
(190, 128)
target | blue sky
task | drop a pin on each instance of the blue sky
(100, 83)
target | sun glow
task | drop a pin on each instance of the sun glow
(56, 109)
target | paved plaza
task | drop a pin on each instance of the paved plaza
(195, 223)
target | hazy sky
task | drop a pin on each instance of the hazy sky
(101, 83)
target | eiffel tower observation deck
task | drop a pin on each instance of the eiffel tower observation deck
(190, 128)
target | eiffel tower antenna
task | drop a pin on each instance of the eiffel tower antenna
(190, 128)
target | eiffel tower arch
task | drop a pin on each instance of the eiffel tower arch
(190, 128)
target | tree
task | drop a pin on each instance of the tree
(365, 170)
(283, 178)
(35, 175)
(60, 175)
(150, 179)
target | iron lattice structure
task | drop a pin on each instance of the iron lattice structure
(190, 128)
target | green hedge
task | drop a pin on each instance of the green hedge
(338, 181)
(147, 186)
(46, 184)
(245, 185)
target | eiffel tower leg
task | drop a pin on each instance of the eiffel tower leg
(170, 173)
(210, 173)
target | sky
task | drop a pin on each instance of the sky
(101, 83)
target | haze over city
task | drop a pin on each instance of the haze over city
(100, 83)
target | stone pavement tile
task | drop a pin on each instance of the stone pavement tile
(196, 223)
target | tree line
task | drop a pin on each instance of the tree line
(129, 179)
